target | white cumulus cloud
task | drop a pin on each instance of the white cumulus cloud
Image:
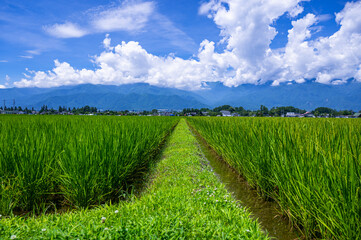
(296, 11)
(247, 30)
(331, 60)
(122, 64)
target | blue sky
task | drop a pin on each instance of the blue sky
(173, 40)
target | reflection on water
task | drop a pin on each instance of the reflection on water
(265, 211)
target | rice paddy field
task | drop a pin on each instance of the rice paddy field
(102, 177)
(310, 167)
(182, 199)
(52, 162)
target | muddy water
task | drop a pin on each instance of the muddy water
(265, 211)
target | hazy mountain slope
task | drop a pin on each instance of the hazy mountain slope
(142, 96)
(116, 101)
(308, 95)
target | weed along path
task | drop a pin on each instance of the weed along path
(183, 200)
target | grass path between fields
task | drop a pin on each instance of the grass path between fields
(184, 200)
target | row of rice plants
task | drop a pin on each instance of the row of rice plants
(311, 167)
(184, 201)
(77, 160)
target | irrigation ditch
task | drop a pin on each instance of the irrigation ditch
(266, 212)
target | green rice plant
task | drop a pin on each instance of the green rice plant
(26, 158)
(74, 160)
(311, 167)
(8, 196)
(185, 200)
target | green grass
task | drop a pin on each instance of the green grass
(73, 161)
(311, 167)
(183, 200)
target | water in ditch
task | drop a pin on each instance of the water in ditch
(266, 212)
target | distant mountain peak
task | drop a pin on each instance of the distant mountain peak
(142, 96)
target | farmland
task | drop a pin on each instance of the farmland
(100, 177)
(59, 161)
(310, 167)
(182, 200)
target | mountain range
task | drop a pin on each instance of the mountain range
(141, 96)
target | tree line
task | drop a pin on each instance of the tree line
(240, 111)
(264, 111)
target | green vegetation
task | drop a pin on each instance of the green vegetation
(52, 164)
(263, 111)
(235, 111)
(311, 167)
(183, 200)
(323, 111)
(56, 161)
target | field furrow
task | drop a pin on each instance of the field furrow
(310, 167)
(183, 200)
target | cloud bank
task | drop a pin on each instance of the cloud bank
(246, 31)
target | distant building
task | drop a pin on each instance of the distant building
(162, 110)
(226, 113)
(8, 112)
(291, 114)
(343, 116)
(308, 114)
(205, 113)
(357, 115)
